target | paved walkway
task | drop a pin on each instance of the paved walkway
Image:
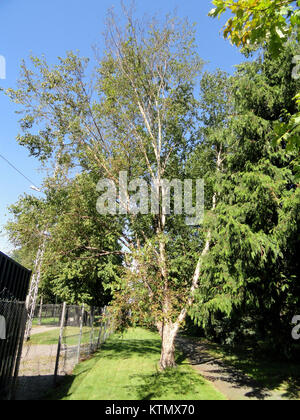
(229, 381)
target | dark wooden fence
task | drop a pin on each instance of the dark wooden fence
(14, 284)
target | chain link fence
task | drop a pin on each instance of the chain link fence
(48, 315)
(13, 314)
(14, 283)
(61, 337)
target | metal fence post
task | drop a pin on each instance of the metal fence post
(40, 312)
(101, 328)
(62, 325)
(80, 334)
(92, 330)
(105, 325)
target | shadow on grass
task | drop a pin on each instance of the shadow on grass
(149, 386)
(268, 374)
(114, 349)
(172, 381)
(63, 387)
(293, 388)
(125, 349)
(241, 368)
(34, 388)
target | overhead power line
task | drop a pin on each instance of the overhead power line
(16, 169)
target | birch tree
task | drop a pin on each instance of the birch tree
(147, 79)
(138, 115)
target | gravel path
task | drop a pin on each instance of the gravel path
(229, 381)
(36, 371)
(36, 374)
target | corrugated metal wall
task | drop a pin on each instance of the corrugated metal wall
(14, 284)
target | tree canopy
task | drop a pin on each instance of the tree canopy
(270, 24)
(259, 22)
(141, 117)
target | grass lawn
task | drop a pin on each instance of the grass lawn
(47, 321)
(71, 335)
(126, 369)
(269, 374)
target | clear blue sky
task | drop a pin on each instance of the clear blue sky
(52, 27)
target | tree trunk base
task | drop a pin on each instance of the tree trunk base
(167, 358)
(165, 364)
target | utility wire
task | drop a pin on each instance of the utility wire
(16, 169)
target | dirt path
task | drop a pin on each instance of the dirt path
(36, 374)
(229, 381)
(42, 329)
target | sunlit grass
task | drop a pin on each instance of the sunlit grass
(126, 368)
(46, 321)
(70, 336)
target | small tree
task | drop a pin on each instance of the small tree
(82, 256)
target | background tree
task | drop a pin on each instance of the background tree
(249, 284)
(271, 24)
(82, 258)
(259, 22)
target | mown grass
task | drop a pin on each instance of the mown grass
(70, 337)
(46, 321)
(126, 368)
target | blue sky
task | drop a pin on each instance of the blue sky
(54, 27)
